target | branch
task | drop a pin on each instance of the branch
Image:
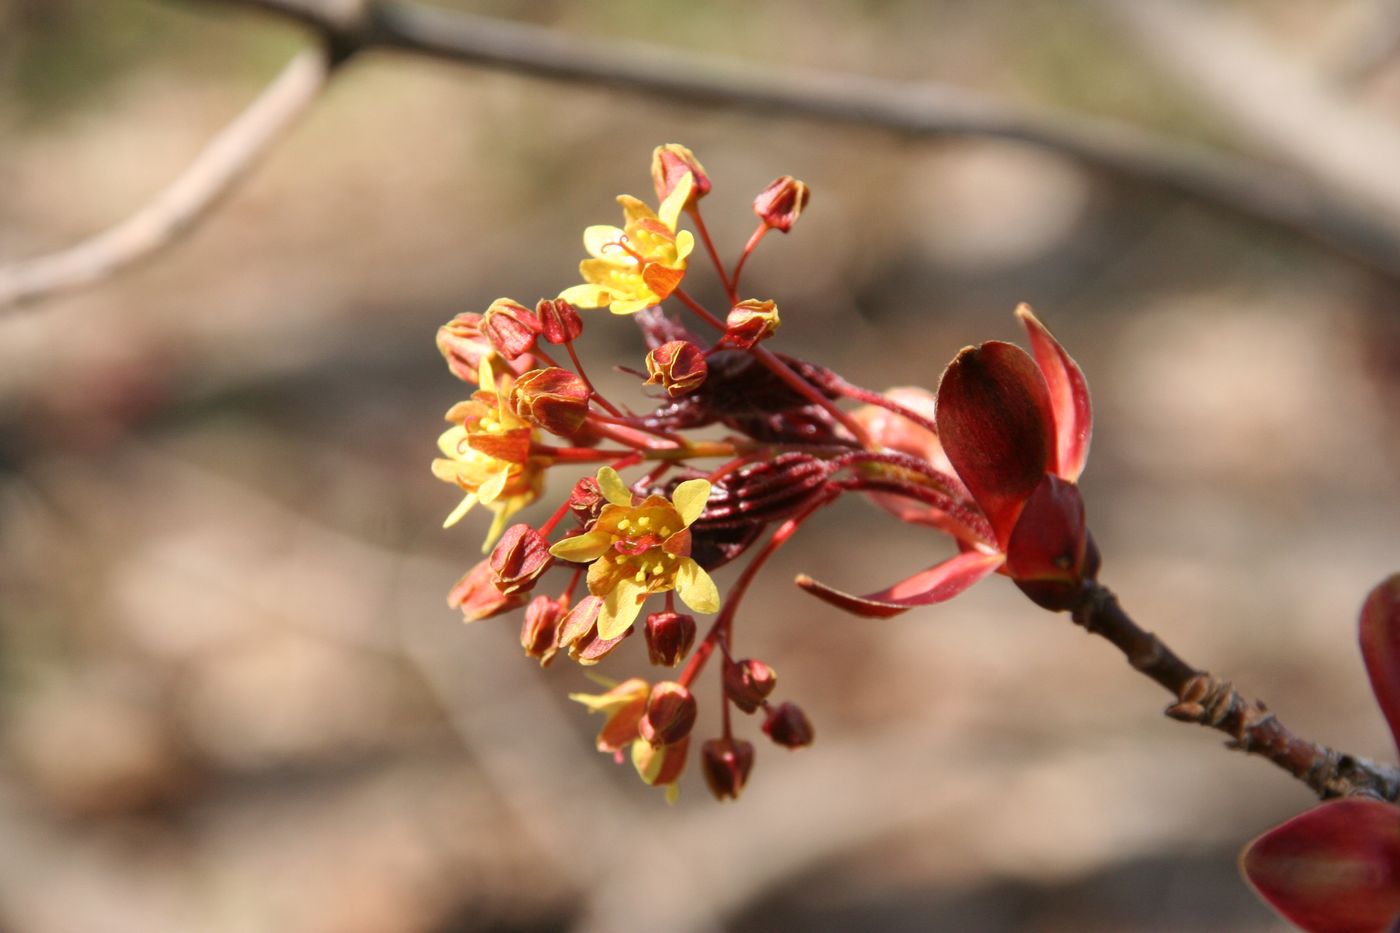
(1203, 699)
(227, 158)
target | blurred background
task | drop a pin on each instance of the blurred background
(232, 697)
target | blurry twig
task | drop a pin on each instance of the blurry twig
(215, 171)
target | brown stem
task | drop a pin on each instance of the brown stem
(1207, 700)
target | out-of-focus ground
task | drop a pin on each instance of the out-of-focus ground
(233, 696)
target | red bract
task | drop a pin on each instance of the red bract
(1336, 868)
(1015, 428)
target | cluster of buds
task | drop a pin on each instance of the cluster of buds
(990, 462)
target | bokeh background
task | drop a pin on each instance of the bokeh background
(232, 697)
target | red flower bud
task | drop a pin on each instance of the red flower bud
(678, 366)
(519, 559)
(476, 595)
(511, 327)
(537, 633)
(586, 500)
(780, 204)
(670, 714)
(726, 764)
(462, 344)
(749, 322)
(789, 726)
(748, 683)
(669, 637)
(554, 399)
(578, 632)
(559, 321)
(669, 163)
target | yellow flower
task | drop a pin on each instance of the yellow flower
(486, 453)
(622, 706)
(637, 266)
(637, 550)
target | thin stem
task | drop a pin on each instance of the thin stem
(699, 309)
(555, 519)
(1208, 701)
(753, 242)
(804, 388)
(694, 211)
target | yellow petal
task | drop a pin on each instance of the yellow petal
(690, 498)
(685, 244)
(647, 760)
(489, 490)
(613, 488)
(670, 210)
(452, 441)
(620, 608)
(601, 241)
(586, 296)
(445, 470)
(485, 378)
(632, 305)
(582, 548)
(695, 587)
(673, 793)
(462, 509)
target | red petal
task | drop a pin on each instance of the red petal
(1380, 647)
(995, 421)
(937, 584)
(1334, 869)
(1069, 397)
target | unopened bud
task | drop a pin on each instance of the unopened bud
(726, 764)
(781, 203)
(670, 714)
(578, 633)
(476, 595)
(749, 322)
(554, 399)
(747, 683)
(661, 765)
(537, 633)
(669, 637)
(519, 558)
(559, 320)
(511, 327)
(669, 164)
(789, 726)
(678, 366)
(462, 344)
(586, 500)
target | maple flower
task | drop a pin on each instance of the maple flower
(639, 265)
(624, 705)
(635, 549)
(1336, 868)
(486, 453)
(1015, 428)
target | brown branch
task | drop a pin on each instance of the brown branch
(1208, 701)
(217, 169)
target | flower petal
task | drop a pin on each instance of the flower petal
(685, 245)
(1046, 554)
(1333, 869)
(689, 498)
(587, 295)
(997, 429)
(1380, 648)
(670, 210)
(582, 548)
(1069, 397)
(463, 507)
(613, 488)
(937, 584)
(601, 240)
(695, 587)
(489, 490)
(621, 605)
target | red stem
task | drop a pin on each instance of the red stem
(694, 211)
(758, 235)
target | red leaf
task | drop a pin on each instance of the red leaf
(1045, 555)
(1333, 869)
(995, 421)
(1069, 397)
(1380, 648)
(937, 584)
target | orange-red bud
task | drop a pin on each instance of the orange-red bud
(554, 399)
(476, 595)
(511, 327)
(670, 714)
(726, 764)
(747, 683)
(781, 203)
(669, 163)
(788, 726)
(559, 320)
(578, 632)
(586, 500)
(678, 366)
(519, 558)
(537, 633)
(749, 322)
(462, 344)
(669, 637)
